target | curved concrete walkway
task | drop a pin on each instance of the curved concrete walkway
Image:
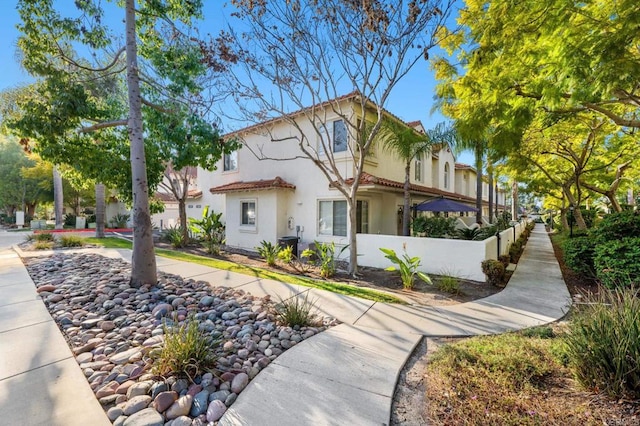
(348, 374)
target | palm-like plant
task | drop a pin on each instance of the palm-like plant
(406, 143)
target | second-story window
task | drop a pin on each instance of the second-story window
(418, 168)
(339, 136)
(446, 175)
(230, 161)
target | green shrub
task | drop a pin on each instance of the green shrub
(448, 284)
(589, 216)
(296, 311)
(578, 255)
(43, 236)
(617, 262)
(542, 332)
(71, 241)
(70, 220)
(502, 221)
(494, 270)
(603, 343)
(515, 250)
(326, 257)
(434, 227)
(505, 259)
(469, 233)
(487, 232)
(43, 245)
(286, 254)
(269, 252)
(120, 220)
(616, 226)
(211, 229)
(407, 266)
(173, 236)
(186, 352)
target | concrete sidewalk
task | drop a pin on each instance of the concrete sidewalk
(346, 375)
(40, 380)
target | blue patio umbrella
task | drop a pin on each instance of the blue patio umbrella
(444, 205)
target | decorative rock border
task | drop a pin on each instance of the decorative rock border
(112, 329)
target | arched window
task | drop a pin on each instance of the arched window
(446, 175)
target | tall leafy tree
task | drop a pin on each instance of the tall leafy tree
(299, 55)
(26, 179)
(97, 90)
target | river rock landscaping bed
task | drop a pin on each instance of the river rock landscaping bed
(113, 330)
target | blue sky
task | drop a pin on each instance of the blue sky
(411, 100)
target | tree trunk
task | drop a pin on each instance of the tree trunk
(31, 209)
(577, 214)
(58, 197)
(182, 213)
(563, 218)
(478, 155)
(406, 212)
(143, 260)
(100, 210)
(490, 177)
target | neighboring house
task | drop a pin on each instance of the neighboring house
(465, 184)
(268, 199)
(170, 217)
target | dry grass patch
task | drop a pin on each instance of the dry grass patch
(511, 379)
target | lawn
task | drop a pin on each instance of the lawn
(334, 287)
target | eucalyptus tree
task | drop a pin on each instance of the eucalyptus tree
(305, 56)
(97, 85)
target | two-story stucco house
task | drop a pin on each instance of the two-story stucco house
(285, 194)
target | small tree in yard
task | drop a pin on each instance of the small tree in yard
(98, 109)
(312, 53)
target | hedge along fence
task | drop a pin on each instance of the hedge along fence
(460, 258)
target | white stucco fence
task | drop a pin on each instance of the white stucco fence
(460, 258)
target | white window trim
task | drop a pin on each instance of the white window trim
(332, 235)
(237, 163)
(249, 228)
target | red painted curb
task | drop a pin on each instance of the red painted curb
(61, 231)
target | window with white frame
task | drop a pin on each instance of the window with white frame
(248, 213)
(418, 168)
(339, 136)
(446, 175)
(332, 218)
(230, 161)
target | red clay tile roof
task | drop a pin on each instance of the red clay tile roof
(351, 95)
(414, 123)
(166, 197)
(367, 179)
(461, 166)
(256, 185)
